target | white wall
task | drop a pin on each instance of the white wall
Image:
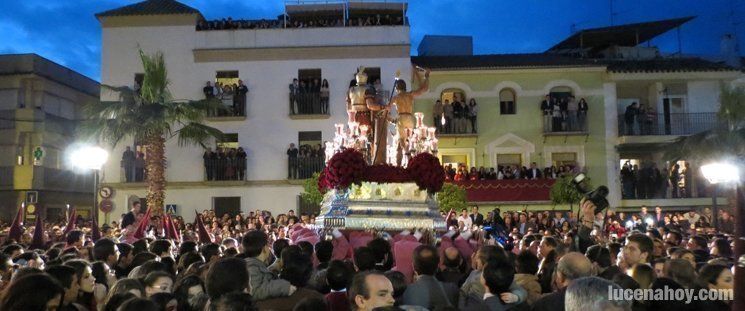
(703, 96)
(296, 37)
(267, 130)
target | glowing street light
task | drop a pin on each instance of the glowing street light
(91, 158)
(720, 173)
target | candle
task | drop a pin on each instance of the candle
(431, 132)
(419, 118)
(363, 129)
(339, 128)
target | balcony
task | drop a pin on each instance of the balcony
(303, 168)
(310, 105)
(233, 108)
(225, 169)
(671, 124)
(565, 125)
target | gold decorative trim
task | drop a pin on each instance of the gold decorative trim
(307, 52)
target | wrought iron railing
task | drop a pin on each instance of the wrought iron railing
(308, 103)
(667, 124)
(302, 168)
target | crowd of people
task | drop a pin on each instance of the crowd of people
(461, 172)
(649, 182)
(564, 114)
(304, 161)
(367, 20)
(309, 96)
(133, 164)
(457, 117)
(225, 164)
(257, 261)
(232, 97)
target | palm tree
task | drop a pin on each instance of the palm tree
(151, 116)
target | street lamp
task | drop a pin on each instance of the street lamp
(724, 173)
(719, 173)
(92, 158)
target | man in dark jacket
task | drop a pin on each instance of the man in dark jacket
(629, 116)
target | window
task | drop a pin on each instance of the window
(227, 77)
(564, 158)
(309, 138)
(373, 73)
(505, 159)
(451, 95)
(507, 101)
(309, 75)
(226, 205)
(455, 160)
(561, 92)
(228, 141)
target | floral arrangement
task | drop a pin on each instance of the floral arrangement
(348, 167)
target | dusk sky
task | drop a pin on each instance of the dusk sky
(66, 31)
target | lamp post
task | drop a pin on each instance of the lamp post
(92, 158)
(725, 173)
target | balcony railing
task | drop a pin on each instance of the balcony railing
(308, 104)
(302, 168)
(225, 168)
(667, 124)
(565, 123)
(231, 106)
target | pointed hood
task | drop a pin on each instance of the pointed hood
(142, 226)
(204, 236)
(16, 231)
(71, 221)
(172, 228)
(164, 225)
(38, 241)
(95, 231)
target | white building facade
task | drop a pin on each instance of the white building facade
(266, 60)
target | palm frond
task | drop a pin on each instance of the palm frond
(197, 134)
(155, 82)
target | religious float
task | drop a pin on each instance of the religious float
(379, 176)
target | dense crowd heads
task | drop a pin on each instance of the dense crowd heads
(462, 173)
(309, 96)
(259, 261)
(304, 161)
(564, 114)
(648, 181)
(225, 164)
(232, 98)
(312, 22)
(458, 117)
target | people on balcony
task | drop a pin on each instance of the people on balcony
(649, 182)
(563, 114)
(232, 97)
(225, 164)
(128, 163)
(304, 161)
(309, 96)
(460, 117)
(506, 172)
(312, 22)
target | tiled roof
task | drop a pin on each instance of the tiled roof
(667, 65)
(501, 61)
(151, 7)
